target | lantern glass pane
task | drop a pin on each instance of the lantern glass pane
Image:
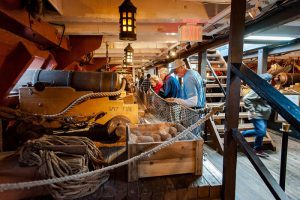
(129, 14)
(124, 28)
(129, 22)
(124, 14)
(129, 28)
(124, 21)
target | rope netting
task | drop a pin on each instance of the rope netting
(171, 111)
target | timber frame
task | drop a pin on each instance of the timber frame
(238, 71)
(276, 17)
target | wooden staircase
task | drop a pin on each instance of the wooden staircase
(214, 97)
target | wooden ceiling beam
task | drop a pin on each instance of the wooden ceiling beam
(16, 55)
(20, 23)
(16, 58)
(80, 45)
(276, 17)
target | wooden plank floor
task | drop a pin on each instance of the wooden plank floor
(250, 186)
(185, 186)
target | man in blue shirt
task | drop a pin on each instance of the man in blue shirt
(171, 87)
(193, 93)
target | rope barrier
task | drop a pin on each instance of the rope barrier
(172, 112)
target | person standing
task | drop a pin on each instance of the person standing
(259, 112)
(141, 80)
(146, 84)
(156, 83)
(171, 86)
(193, 93)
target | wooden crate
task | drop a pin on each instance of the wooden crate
(184, 156)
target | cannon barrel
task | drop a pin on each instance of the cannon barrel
(80, 81)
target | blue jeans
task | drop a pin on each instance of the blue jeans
(259, 131)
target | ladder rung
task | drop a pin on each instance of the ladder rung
(219, 77)
(215, 104)
(214, 85)
(222, 115)
(217, 69)
(213, 55)
(221, 128)
(214, 95)
(216, 62)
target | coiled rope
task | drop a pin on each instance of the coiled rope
(30, 184)
(59, 156)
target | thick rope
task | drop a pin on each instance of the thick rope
(30, 184)
(81, 99)
(86, 97)
(53, 163)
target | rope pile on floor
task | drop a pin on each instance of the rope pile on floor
(59, 156)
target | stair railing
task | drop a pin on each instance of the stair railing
(215, 76)
(281, 104)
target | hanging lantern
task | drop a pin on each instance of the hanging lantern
(128, 55)
(127, 21)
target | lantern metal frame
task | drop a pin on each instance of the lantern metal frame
(128, 55)
(127, 21)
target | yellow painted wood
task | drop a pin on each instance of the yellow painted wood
(54, 99)
(50, 101)
(111, 107)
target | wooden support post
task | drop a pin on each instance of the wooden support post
(133, 75)
(202, 62)
(1, 136)
(262, 61)
(237, 26)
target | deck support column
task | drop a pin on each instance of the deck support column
(202, 62)
(262, 61)
(237, 26)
